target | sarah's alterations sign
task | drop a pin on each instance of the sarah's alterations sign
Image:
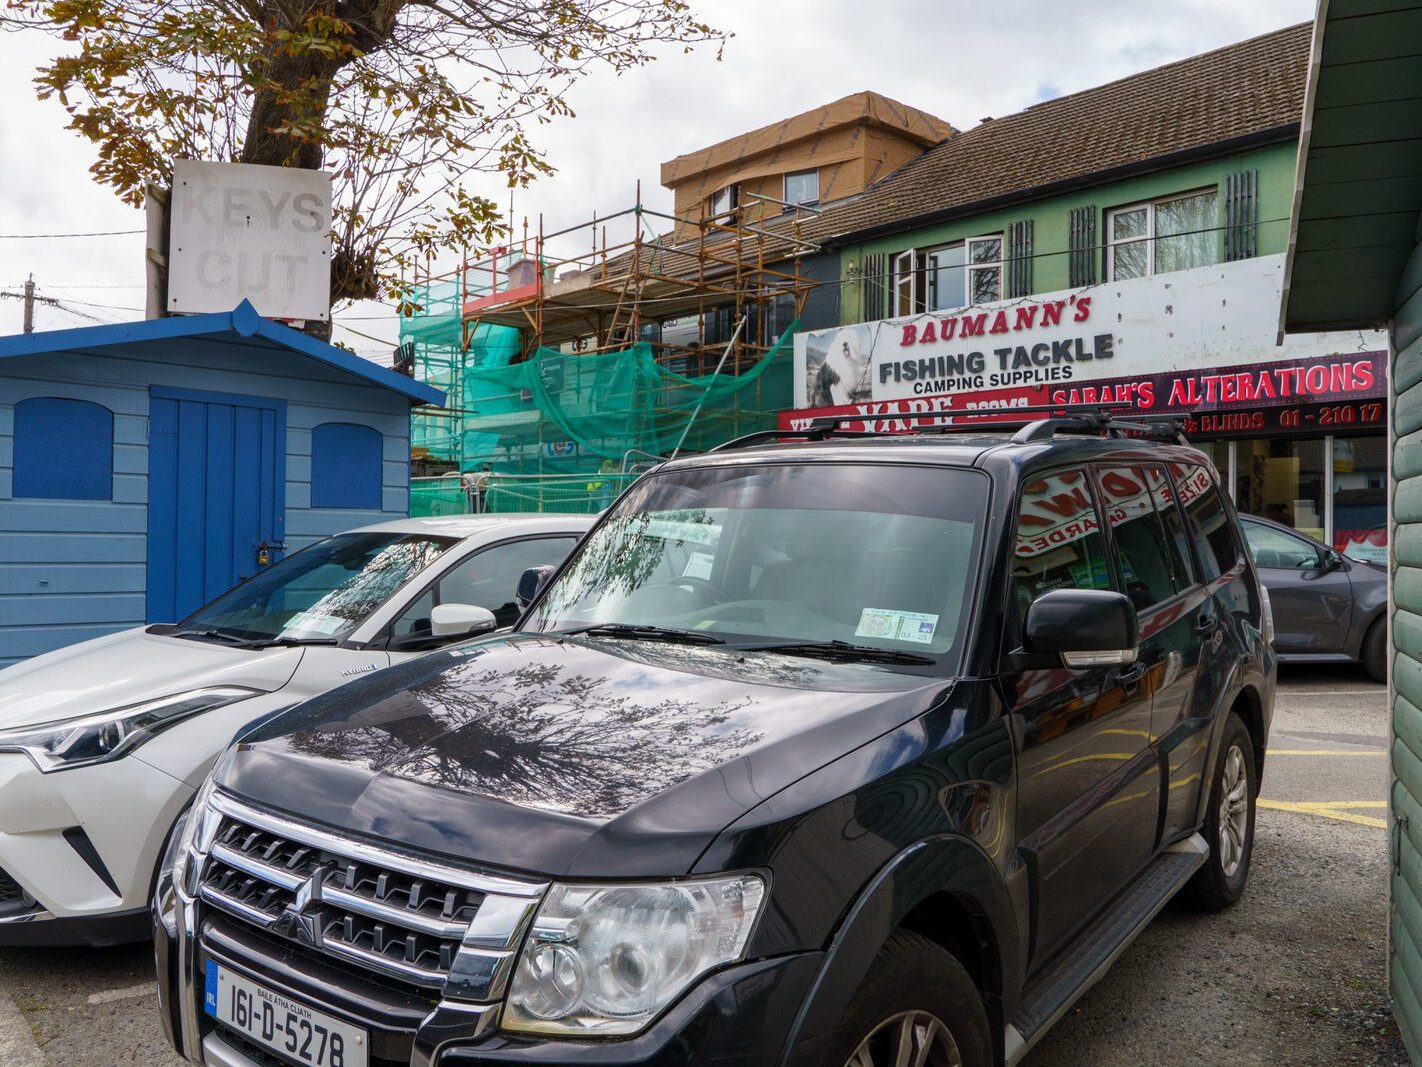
(1149, 342)
(239, 231)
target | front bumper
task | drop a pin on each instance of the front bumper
(78, 849)
(742, 1015)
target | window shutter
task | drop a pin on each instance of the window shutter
(1081, 245)
(1241, 215)
(1019, 259)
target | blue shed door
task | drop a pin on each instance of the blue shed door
(216, 495)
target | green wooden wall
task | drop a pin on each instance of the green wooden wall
(1051, 217)
(1406, 796)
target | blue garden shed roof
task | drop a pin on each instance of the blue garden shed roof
(241, 326)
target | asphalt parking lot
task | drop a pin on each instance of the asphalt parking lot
(1295, 974)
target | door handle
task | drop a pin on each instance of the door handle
(1130, 676)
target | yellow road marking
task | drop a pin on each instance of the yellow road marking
(1329, 811)
(1328, 752)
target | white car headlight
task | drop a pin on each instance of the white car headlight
(606, 960)
(57, 746)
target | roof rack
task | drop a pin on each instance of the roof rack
(1074, 418)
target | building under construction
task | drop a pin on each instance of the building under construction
(571, 359)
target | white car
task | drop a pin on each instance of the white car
(103, 744)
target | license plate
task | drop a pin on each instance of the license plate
(287, 1027)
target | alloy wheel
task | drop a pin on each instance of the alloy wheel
(909, 1039)
(1234, 812)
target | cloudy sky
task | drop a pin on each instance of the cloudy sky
(961, 61)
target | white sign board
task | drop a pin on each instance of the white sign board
(239, 231)
(1213, 316)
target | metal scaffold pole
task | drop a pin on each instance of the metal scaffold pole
(697, 410)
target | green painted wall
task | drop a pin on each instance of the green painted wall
(1406, 539)
(1050, 217)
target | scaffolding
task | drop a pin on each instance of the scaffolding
(606, 346)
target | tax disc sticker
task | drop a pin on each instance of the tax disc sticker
(887, 624)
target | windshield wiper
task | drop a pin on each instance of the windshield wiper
(253, 642)
(211, 635)
(272, 642)
(641, 632)
(841, 650)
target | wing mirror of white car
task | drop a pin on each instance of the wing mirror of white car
(461, 620)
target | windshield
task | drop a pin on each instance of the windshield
(871, 555)
(319, 594)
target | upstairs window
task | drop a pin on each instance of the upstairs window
(948, 277)
(64, 450)
(1161, 236)
(727, 200)
(802, 187)
(985, 269)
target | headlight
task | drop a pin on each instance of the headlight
(95, 738)
(192, 835)
(605, 960)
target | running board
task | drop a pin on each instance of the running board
(1052, 993)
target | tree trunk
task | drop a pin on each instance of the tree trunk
(308, 79)
(296, 94)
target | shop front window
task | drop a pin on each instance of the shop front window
(1283, 480)
(1360, 497)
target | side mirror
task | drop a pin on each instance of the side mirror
(461, 620)
(1085, 627)
(531, 583)
(1330, 561)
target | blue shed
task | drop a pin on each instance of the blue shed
(146, 467)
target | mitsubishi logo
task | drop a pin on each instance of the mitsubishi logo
(296, 922)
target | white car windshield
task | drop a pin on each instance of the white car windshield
(872, 556)
(318, 595)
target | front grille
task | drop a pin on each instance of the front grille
(400, 921)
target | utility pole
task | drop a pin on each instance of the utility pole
(30, 299)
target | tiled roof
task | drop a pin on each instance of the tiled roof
(1231, 93)
(1254, 88)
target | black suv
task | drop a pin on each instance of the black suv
(848, 750)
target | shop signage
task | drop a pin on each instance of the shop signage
(1221, 315)
(239, 231)
(1325, 394)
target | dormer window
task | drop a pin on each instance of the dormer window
(802, 187)
(726, 200)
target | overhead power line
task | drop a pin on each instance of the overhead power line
(91, 233)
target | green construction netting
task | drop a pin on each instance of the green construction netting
(436, 331)
(560, 414)
(568, 414)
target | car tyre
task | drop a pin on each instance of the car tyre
(1375, 650)
(916, 1005)
(1229, 822)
